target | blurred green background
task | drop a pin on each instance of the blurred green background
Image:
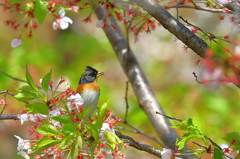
(214, 108)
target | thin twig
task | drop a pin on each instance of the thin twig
(145, 134)
(5, 104)
(7, 92)
(139, 145)
(177, 6)
(172, 118)
(14, 78)
(126, 100)
(196, 77)
(211, 36)
(213, 10)
(214, 144)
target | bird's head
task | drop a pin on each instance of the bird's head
(90, 75)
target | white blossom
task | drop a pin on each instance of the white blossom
(62, 22)
(23, 154)
(22, 144)
(105, 127)
(31, 117)
(74, 100)
(168, 154)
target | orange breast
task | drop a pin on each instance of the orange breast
(90, 86)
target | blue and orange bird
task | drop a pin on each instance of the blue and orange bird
(89, 89)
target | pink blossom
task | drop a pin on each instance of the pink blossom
(74, 8)
(62, 22)
(16, 42)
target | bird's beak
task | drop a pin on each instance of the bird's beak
(99, 74)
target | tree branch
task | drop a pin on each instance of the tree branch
(139, 145)
(173, 25)
(9, 116)
(213, 10)
(140, 85)
(170, 23)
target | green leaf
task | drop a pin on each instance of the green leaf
(79, 142)
(62, 119)
(112, 139)
(86, 111)
(27, 89)
(26, 96)
(236, 136)
(47, 129)
(46, 80)
(68, 129)
(102, 111)
(74, 150)
(91, 149)
(41, 108)
(30, 80)
(65, 141)
(45, 143)
(181, 143)
(217, 153)
(95, 132)
(14, 1)
(40, 11)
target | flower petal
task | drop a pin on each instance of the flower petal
(68, 20)
(55, 25)
(16, 42)
(62, 12)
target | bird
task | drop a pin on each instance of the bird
(89, 89)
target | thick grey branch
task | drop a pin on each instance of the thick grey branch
(173, 25)
(9, 116)
(140, 85)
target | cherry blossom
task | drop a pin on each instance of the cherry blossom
(23, 145)
(16, 42)
(105, 127)
(75, 100)
(62, 21)
(167, 154)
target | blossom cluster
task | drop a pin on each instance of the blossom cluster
(60, 128)
(30, 15)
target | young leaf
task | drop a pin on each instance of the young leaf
(25, 96)
(47, 129)
(65, 141)
(40, 11)
(79, 141)
(112, 139)
(217, 153)
(14, 1)
(41, 108)
(85, 112)
(30, 80)
(68, 129)
(62, 119)
(95, 132)
(102, 111)
(74, 150)
(46, 80)
(27, 89)
(45, 143)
